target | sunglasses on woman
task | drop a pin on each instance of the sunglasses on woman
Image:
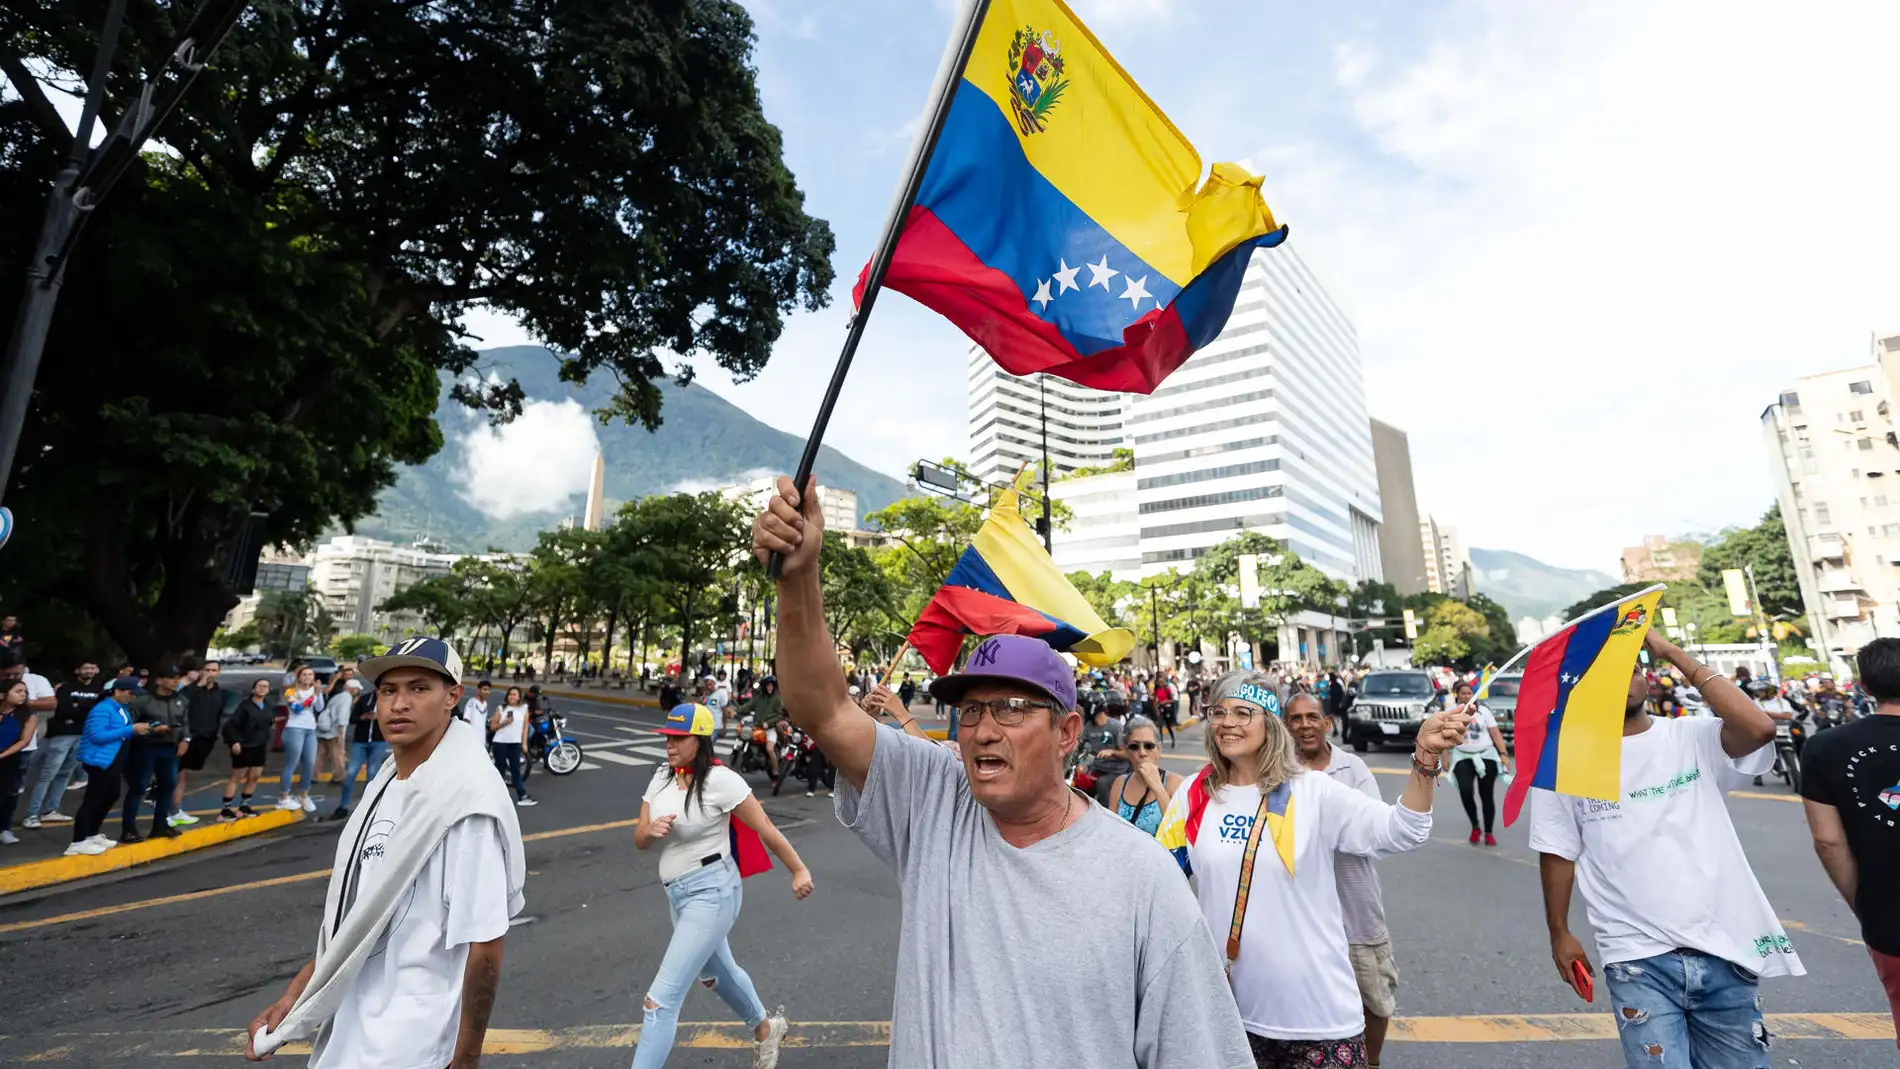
(1144, 746)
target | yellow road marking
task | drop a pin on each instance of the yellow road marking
(1529, 1028)
(62, 869)
(258, 885)
(1797, 926)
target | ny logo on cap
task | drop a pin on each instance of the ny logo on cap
(986, 654)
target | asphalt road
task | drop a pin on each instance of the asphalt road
(171, 961)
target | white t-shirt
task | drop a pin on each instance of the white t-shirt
(38, 687)
(302, 706)
(512, 732)
(703, 830)
(475, 711)
(1294, 979)
(1661, 869)
(717, 701)
(1478, 732)
(405, 1006)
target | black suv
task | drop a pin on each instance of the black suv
(1389, 709)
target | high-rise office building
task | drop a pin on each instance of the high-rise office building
(1834, 453)
(1401, 556)
(1265, 429)
(1007, 422)
(1447, 563)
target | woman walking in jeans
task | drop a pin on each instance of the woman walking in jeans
(505, 727)
(689, 807)
(303, 701)
(17, 725)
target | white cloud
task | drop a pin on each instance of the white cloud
(536, 463)
(703, 485)
(1589, 243)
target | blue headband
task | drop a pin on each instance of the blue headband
(1255, 694)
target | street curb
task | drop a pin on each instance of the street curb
(607, 699)
(34, 874)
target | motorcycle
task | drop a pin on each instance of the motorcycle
(550, 744)
(1789, 734)
(790, 744)
(750, 753)
(807, 764)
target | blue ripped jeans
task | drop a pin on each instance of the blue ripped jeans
(1687, 1010)
(704, 905)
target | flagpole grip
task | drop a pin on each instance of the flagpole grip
(956, 58)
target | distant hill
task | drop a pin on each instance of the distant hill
(703, 441)
(1529, 587)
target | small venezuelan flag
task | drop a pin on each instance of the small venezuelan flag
(1570, 705)
(1005, 584)
(1058, 224)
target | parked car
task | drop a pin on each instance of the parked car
(1501, 699)
(325, 667)
(1390, 707)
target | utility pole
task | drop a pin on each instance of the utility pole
(82, 183)
(1048, 515)
(1761, 629)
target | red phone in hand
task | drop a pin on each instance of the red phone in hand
(1582, 976)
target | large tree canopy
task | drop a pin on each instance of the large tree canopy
(259, 317)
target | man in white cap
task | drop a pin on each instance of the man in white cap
(429, 871)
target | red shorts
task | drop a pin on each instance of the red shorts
(1887, 967)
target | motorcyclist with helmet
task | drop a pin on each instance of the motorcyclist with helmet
(767, 708)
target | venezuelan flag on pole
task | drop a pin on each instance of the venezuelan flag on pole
(1004, 584)
(1570, 705)
(1058, 223)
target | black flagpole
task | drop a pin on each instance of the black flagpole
(956, 59)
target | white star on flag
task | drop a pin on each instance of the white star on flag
(1042, 297)
(1065, 278)
(1101, 273)
(1137, 289)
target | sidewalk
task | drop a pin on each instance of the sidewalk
(39, 860)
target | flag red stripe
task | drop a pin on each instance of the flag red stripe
(957, 611)
(1536, 700)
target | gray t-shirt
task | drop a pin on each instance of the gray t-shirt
(1361, 901)
(995, 966)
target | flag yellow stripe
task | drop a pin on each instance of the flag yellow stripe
(1012, 552)
(1590, 751)
(1106, 147)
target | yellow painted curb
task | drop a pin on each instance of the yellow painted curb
(602, 697)
(32, 874)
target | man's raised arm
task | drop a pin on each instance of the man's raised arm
(810, 679)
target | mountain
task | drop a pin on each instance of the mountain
(1529, 587)
(703, 442)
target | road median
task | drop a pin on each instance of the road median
(63, 869)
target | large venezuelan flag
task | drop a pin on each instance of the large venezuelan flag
(1570, 705)
(1058, 224)
(1005, 584)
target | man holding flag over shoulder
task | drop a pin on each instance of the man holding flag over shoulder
(1683, 927)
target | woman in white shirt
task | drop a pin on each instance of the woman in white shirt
(1476, 761)
(505, 727)
(1286, 942)
(690, 807)
(302, 702)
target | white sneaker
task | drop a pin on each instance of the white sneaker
(765, 1051)
(288, 802)
(30, 822)
(78, 784)
(526, 803)
(87, 847)
(179, 820)
(102, 842)
(7, 838)
(55, 818)
(308, 805)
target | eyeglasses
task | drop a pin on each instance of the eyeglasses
(1219, 715)
(1007, 712)
(1144, 746)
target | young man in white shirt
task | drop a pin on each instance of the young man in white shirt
(1361, 900)
(1683, 928)
(475, 708)
(718, 699)
(428, 874)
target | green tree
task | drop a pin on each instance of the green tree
(241, 638)
(261, 318)
(931, 533)
(443, 601)
(695, 542)
(350, 647)
(497, 592)
(860, 597)
(291, 622)
(558, 594)
(1120, 459)
(1765, 547)
(1451, 632)
(1114, 600)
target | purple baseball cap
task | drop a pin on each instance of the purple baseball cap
(1011, 659)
